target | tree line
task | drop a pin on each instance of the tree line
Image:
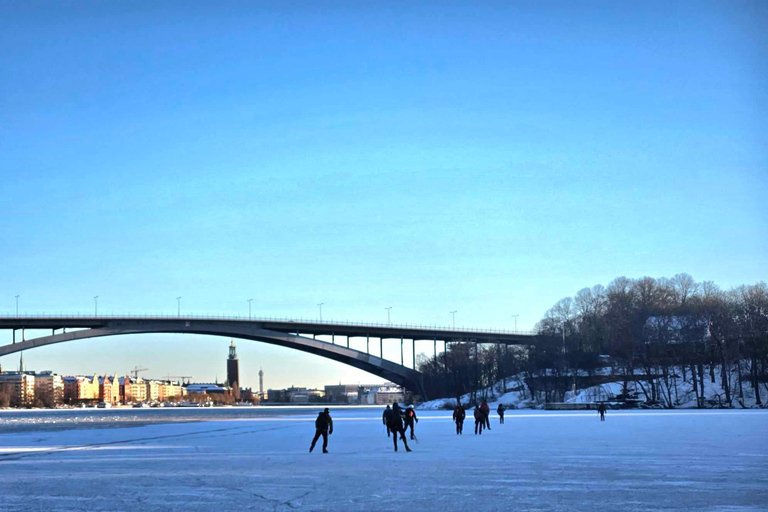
(655, 332)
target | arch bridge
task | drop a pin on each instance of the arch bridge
(298, 335)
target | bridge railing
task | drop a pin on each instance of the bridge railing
(240, 318)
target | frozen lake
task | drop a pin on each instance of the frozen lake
(241, 459)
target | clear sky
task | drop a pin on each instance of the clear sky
(489, 158)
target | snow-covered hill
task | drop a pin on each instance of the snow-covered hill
(678, 393)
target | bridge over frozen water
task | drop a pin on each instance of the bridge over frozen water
(296, 334)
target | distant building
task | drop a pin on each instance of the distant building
(170, 390)
(342, 393)
(109, 389)
(364, 394)
(132, 390)
(261, 385)
(247, 395)
(79, 389)
(19, 387)
(208, 389)
(153, 390)
(307, 396)
(296, 395)
(49, 388)
(233, 371)
(277, 395)
(387, 394)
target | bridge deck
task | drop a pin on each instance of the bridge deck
(283, 325)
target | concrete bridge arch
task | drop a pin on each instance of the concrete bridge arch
(254, 331)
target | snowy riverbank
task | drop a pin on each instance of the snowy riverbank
(675, 391)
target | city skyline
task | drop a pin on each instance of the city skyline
(372, 163)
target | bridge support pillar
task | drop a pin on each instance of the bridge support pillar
(435, 350)
(413, 346)
(401, 351)
(381, 348)
(347, 341)
(367, 344)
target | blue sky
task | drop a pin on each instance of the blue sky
(489, 159)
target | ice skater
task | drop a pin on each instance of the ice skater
(601, 410)
(410, 418)
(384, 419)
(500, 411)
(395, 424)
(458, 416)
(479, 420)
(486, 414)
(323, 427)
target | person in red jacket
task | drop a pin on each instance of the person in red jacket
(395, 424)
(410, 419)
(486, 414)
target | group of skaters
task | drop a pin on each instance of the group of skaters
(482, 417)
(397, 422)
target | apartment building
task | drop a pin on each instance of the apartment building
(79, 388)
(19, 387)
(49, 388)
(109, 389)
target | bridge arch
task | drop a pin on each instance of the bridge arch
(404, 376)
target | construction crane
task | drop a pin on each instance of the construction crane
(136, 371)
(185, 379)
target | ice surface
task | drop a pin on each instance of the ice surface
(640, 460)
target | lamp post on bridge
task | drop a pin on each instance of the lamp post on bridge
(389, 322)
(453, 315)
(17, 305)
(178, 306)
(320, 305)
(249, 308)
(96, 305)
(515, 317)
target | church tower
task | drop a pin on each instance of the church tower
(233, 371)
(261, 383)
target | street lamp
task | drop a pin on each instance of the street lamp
(17, 305)
(389, 322)
(453, 314)
(178, 306)
(249, 308)
(320, 305)
(515, 317)
(96, 305)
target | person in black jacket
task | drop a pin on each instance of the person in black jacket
(384, 418)
(323, 427)
(500, 410)
(458, 416)
(410, 418)
(395, 424)
(601, 410)
(479, 420)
